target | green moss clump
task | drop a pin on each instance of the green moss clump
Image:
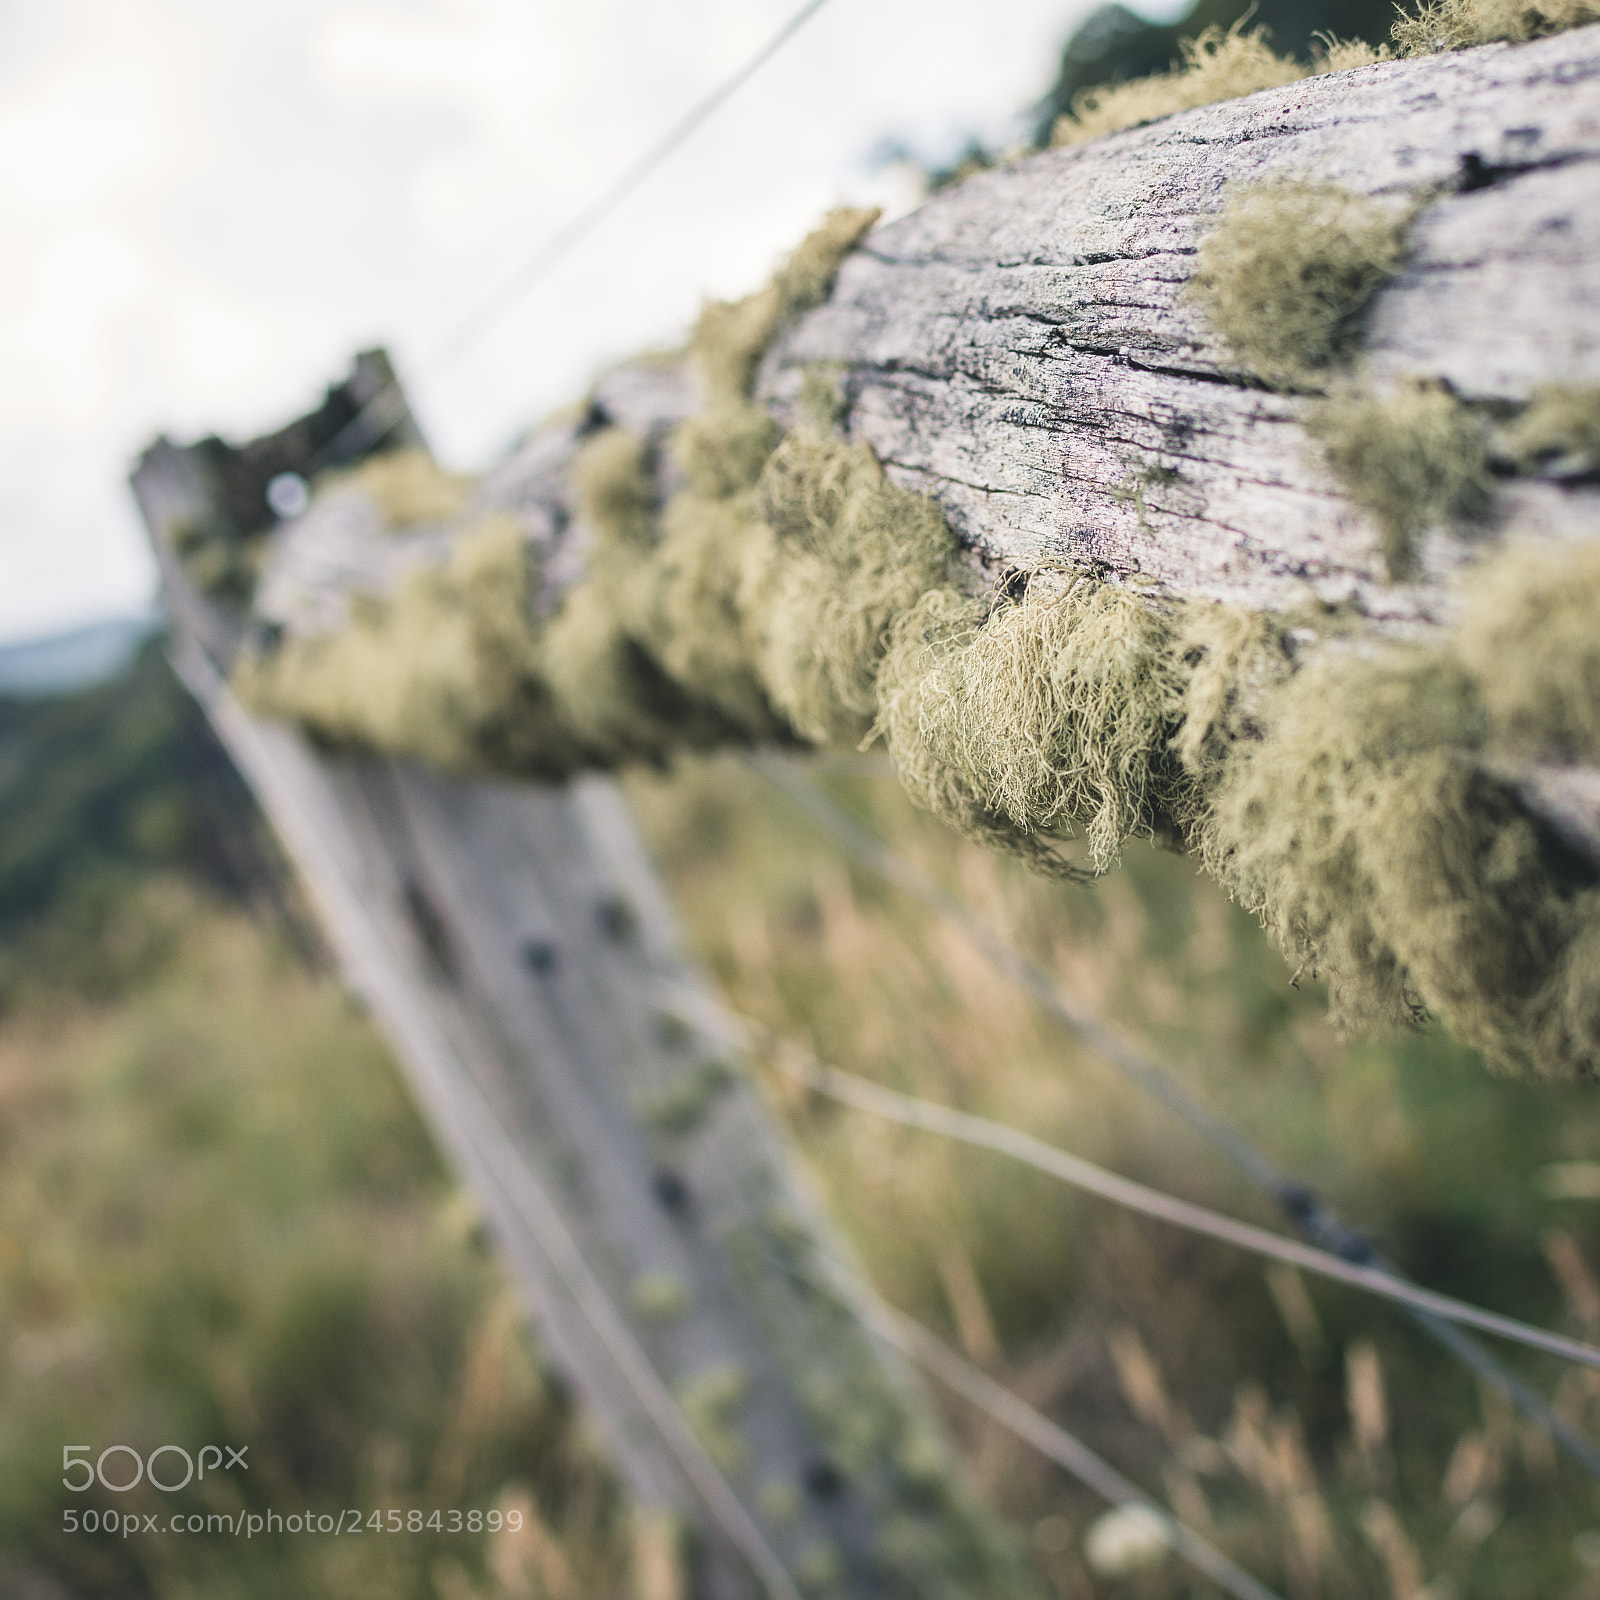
(449, 668)
(1370, 829)
(1348, 770)
(1456, 24)
(1227, 658)
(843, 554)
(1413, 459)
(724, 448)
(727, 581)
(1288, 269)
(1036, 718)
(615, 489)
(604, 675)
(653, 650)
(1217, 65)
(409, 488)
(1531, 639)
(698, 626)
(647, 656)
(1332, 54)
(603, 681)
(731, 337)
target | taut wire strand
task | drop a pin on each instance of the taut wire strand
(1303, 1208)
(985, 1133)
(385, 408)
(935, 1357)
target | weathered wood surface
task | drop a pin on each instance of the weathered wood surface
(1023, 350)
(343, 547)
(517, 949)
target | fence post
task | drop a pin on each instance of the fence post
(516, 946)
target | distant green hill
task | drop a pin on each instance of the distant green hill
(98, 789)
(75, 658)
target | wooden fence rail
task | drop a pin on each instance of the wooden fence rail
(515, 945)
(1026, 350)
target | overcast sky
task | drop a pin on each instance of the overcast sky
(207, 205)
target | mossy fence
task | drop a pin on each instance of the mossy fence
(1233, 479)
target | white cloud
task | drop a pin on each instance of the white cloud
(207, 207)
(84, 278)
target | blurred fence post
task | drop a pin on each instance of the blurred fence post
(515, 945)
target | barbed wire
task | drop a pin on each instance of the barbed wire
(1300, 1205)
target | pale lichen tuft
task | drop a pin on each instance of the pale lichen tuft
(1287, 270)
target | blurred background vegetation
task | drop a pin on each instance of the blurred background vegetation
(221, 1218)
(1317, 1434)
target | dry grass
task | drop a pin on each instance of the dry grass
(221, 1219)
(1317, 1437)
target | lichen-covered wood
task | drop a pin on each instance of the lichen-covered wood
(517, 948)
(1024, 348)
(1030, 496)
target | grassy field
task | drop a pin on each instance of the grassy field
(1319, 1435)
(221, 1219)
(224, 1223)
(220, 1216)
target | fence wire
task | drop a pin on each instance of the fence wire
(848, 1088)
(1050, 1439)
(388, 406)
(908, 1338)
(1310, 1215)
